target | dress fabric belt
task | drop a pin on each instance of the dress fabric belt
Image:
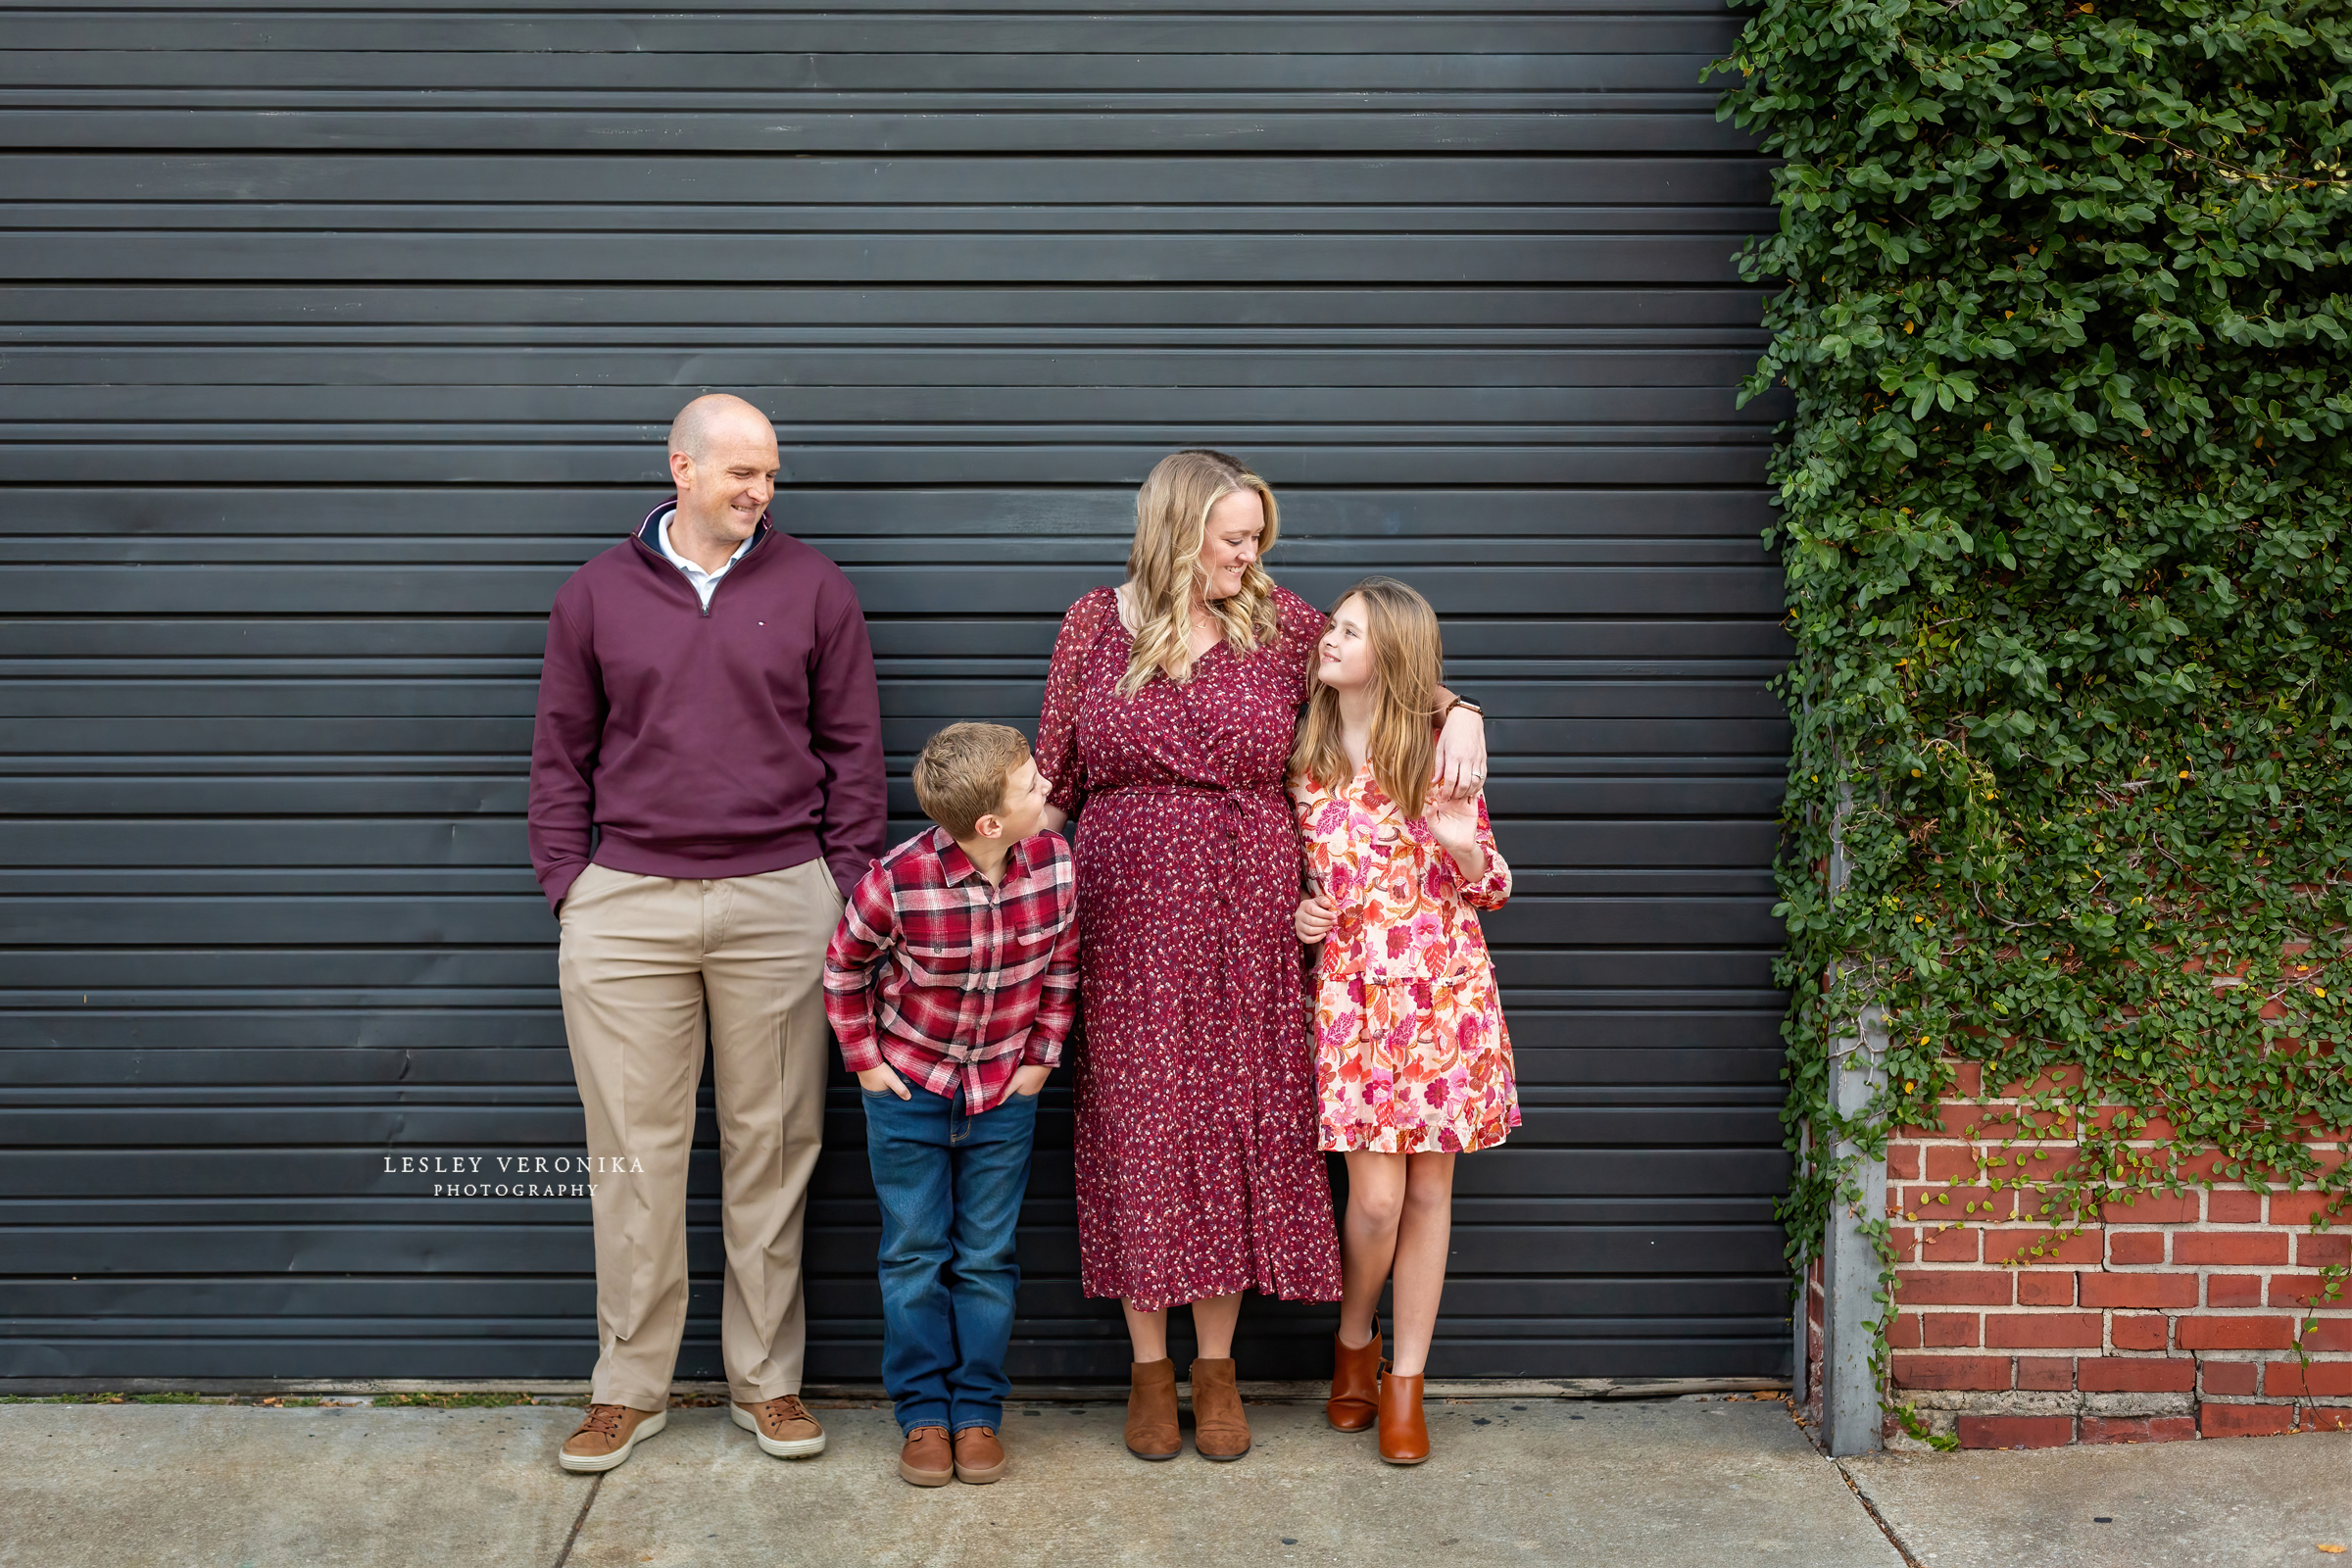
(1238, 797)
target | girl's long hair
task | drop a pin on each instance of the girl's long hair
(1166, 573)
(1408, 661)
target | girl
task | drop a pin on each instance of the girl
(1412, 1061)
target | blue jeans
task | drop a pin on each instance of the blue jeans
(950, 1188)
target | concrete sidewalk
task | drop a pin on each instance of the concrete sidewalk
(1517, 1480)
(2226, 1502)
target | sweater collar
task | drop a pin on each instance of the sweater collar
(648, 532)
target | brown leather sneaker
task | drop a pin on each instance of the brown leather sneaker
(783, 1426)
(927, 1460)
(979, 1456)
(606, 1438)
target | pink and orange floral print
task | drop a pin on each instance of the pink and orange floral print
(1411, 1054)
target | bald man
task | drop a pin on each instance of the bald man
(706, 780)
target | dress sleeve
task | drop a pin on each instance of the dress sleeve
(1301, 628)
(1494, 890)
(1058, 755)
(1306, 801)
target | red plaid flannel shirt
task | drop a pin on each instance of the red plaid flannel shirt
(950, 981)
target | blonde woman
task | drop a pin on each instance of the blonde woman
(1169, 716)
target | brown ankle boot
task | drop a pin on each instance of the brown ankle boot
(1152, 1410)
(1403, 1435)
(1220, 1431)
(1354, 1401)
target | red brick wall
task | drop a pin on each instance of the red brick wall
(2173, 1318)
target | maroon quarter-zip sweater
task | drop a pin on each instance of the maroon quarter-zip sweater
(705, 743)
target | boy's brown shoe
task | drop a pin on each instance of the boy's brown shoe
(979, 1456)
(606, 1438)
(927, 1460)
(783, 1426)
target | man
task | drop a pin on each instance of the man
(706, 780)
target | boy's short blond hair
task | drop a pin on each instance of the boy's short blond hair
(961, 775)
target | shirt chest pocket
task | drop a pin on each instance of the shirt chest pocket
(933, 964)
(1026, 953)
(982, 963)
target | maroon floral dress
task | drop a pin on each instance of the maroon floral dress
(1198, 1173)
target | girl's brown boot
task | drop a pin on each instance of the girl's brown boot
(1403, 1435)
(1152, 1410)
(1355, 1402)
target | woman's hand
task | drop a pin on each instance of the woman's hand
(1456, 825)
(1462, 757)
(1315, 918)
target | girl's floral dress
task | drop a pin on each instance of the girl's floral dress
(1411, 1054)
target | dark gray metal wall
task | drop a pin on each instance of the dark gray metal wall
(335, 335)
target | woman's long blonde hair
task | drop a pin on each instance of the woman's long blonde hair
(1165, 574)
(1408, 662)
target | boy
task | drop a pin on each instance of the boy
(951, 983)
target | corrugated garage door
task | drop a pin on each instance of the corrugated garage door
(336, 335)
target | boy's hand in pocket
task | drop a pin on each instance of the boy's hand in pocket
(876, 1079)
(1027, 1081)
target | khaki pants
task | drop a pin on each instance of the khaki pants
(644, 959)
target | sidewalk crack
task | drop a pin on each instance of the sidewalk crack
(1910, 1557)
(581, 1518)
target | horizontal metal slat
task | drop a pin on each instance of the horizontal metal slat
(908, 589)
(157, 513)
(886, 455)
(1070, 38)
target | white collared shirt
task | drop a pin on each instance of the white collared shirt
(705, 583)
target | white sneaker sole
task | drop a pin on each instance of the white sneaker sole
(644, 1429)
(805, 1447)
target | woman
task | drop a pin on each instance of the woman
(1169, 714)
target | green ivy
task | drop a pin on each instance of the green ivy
(2063, 312)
